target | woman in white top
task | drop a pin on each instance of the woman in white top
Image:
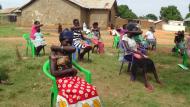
(139, 60)
(150, 37)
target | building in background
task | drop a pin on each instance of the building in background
(8, 15)
(52, 12)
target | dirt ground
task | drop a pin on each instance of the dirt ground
(163, 38)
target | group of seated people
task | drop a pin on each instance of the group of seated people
(74, 91)
(85, 39)
(146, 42)
(132, 52)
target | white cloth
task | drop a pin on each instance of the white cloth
(38, 41)
(130, 42)
(115, 33)
(150, 35)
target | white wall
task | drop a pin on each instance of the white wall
(168, 27)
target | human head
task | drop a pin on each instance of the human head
(36, 22)
(95, 24)
(76, 22)
(131, 29)
(67, 38)
(151, 29)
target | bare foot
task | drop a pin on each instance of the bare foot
(149, 87)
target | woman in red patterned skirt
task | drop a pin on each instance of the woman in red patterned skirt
(73, 91)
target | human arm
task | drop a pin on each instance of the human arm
(135, 52)
(60, 73)
(38, 26)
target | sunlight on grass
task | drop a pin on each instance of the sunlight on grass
(31, 88)
(10, 31)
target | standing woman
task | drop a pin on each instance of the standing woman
(79, 39)
(35, 26)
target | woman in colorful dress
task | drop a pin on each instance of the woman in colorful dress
(73, 91)
(79, 41)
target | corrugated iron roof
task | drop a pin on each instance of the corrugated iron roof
(8, 10)
(89, 4)
(94, 4)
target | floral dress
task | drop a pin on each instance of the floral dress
(75, 91)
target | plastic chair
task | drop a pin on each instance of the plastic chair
(130, 62)
(29, 44)
(184, 62)
(116, 40)
(54, 89)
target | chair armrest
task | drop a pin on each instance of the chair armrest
(46, 70)
(86, 72)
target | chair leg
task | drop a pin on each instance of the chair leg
(44, 50)
(52, 99)
(88, 55)
(26, 50)
(121, 67)
(129, 67)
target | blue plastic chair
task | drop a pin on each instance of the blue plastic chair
(124, 59)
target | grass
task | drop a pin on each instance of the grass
(10, 31)
(31, 88)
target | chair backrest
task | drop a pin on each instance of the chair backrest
(26, 36)
(46, 70)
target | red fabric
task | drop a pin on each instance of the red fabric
(95, 41)
(75, 89)
(33, 31)
(100, 47)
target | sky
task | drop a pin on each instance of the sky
(139, 7)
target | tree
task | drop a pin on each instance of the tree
(151, 16)
(0, 6)
(189, 7)
(125, 12)
(170, 13)
(188, 15)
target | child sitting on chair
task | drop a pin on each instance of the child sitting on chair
(96, 37)
(73, 91)
(79, 41)
(39, 41)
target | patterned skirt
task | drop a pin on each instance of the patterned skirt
(76, 92)
(81, 44)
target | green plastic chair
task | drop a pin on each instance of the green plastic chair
(116, 40)
(184, 62)
(54, 89)
(29, 44)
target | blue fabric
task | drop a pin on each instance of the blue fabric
(128, 58)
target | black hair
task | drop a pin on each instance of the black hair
(36, 22)
(75, 20)
(95, 24)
